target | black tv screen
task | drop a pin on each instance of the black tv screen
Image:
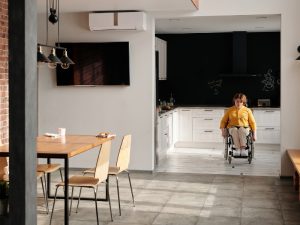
(95, 64)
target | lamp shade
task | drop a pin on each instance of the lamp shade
(53, 58)
(65, 59)
(40, 56)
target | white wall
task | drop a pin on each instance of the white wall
(89, 110)
(290, 68)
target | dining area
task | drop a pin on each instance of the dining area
(65, 147)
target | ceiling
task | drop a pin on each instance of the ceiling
(213, 24)
(115, 5)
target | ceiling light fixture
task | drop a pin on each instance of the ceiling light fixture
(52, 59)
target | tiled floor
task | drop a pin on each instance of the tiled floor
(210, 160)
(190, 199)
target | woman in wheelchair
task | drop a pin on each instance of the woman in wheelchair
(239, 120)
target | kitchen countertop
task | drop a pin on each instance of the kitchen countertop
(214, 107)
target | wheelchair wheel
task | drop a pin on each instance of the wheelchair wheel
(229, 159)
(250, 159)
(226, 149)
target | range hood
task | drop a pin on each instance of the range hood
(239, 56)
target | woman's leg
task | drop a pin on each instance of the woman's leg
(243, 133)
(233, 131)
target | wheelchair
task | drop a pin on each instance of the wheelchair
(229, 147)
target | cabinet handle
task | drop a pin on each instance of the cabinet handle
(208, 131)
(208, 119)
(186, 110)
(269, 128)
(269, 111)
(165, 134)
(208, 110)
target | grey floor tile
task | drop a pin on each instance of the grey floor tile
(261, 203)
(187, 199)
(291, 205)
(231, 202)
(175, 219)
(217, 191)
(181, 209)
(259, 213)
(259, 221)
(291, 215)
(137, 218)
(219, 220)
(260, 194)
(259, 188)
(220, 211)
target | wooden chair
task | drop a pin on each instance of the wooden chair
(47, 169)
(121, 165)
(100, 176)
(4, 176)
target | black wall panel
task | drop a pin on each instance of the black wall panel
(196, 64)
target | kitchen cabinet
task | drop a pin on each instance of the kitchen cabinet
(206, 123)
(185, 125)
(175, 126)
(268, 125)
(161, 47)
(164, 135)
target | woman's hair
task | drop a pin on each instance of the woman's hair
(240, 96)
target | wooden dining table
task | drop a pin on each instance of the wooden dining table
(62, 148)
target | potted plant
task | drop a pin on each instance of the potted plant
(3, 198)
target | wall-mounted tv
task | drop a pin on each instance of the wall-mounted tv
(96, 64)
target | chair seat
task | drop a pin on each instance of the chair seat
(113, 170)
(47, 168)
(81, 181)
(39, 175)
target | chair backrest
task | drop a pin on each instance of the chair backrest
(102, 165)
(124, 153)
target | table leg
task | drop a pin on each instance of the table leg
(48, 179)
(296, 180)
(66, 191)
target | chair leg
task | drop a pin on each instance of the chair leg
(108, 198)
(46, 188)
(96, 205)
(61, 175)
(117, 180)
(71, 201)
(130, 188)
(45, 198)
(78, 200)
(53, 205)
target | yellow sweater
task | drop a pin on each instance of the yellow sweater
(242, 117)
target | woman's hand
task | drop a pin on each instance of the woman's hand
(224, 132)
(254, 137)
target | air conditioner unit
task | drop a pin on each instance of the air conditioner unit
(117, 21)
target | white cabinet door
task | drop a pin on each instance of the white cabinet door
(161, 47)
(175, 125)
(267, 117)
(268, 126)
(268, 135)
(170, 130)
(207, 135)
(185, 125)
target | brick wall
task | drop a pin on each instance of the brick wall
(4, 71)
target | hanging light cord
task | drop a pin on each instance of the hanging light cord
(47, 22)
(57, 4)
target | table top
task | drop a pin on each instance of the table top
(62, 147)
(294, 155)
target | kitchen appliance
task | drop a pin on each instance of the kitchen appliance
(263, 102)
